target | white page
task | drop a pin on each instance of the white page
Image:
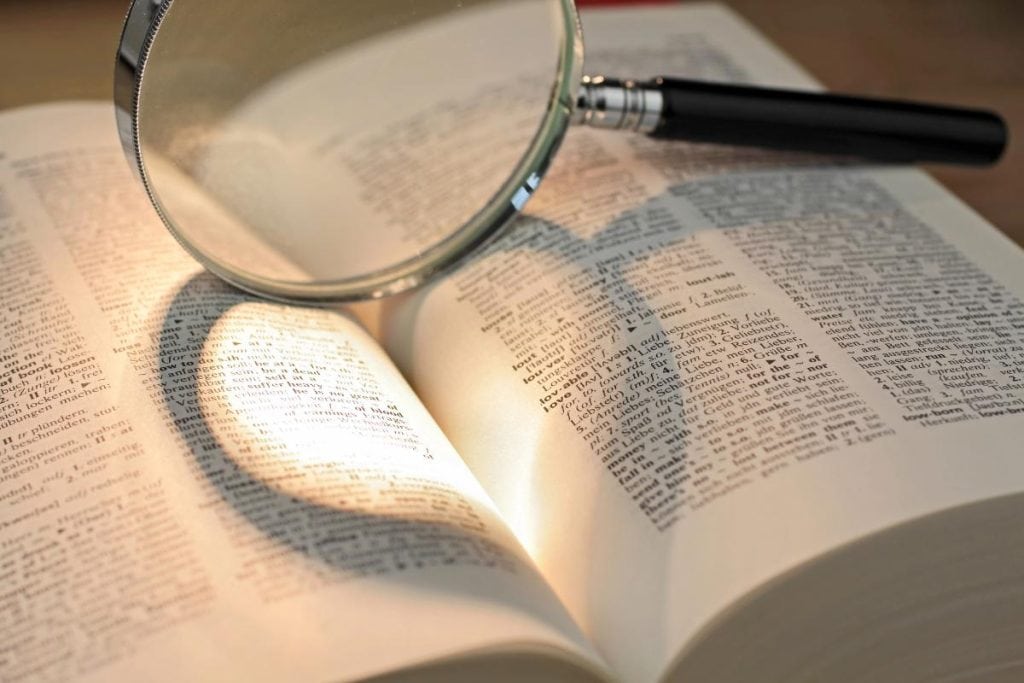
(505, 351)
(197, 485)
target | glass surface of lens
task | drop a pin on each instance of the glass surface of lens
(330, 150)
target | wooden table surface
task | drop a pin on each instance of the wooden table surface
(964, 51)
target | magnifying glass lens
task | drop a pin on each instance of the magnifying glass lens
(328, 150)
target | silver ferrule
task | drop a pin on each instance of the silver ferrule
(610, 103)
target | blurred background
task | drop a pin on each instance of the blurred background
(969, 52)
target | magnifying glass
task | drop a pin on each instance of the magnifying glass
(327, 151)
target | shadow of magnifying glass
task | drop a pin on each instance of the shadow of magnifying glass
(610, 326)
(344, 514)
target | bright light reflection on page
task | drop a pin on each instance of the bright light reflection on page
(303, 407)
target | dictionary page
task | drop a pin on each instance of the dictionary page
(195, 485)
(687, 369)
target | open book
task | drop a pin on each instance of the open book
(702, 414)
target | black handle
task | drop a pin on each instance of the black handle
(885, 130)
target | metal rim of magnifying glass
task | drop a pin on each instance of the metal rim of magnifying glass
(141, 28)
